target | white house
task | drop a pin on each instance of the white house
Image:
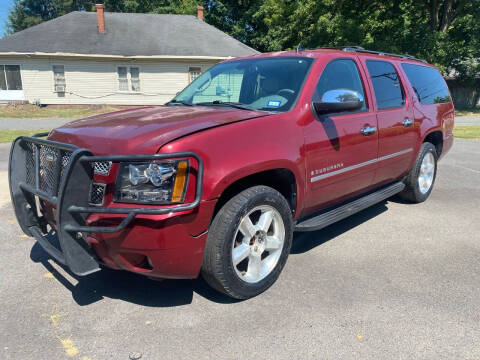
(110, 58)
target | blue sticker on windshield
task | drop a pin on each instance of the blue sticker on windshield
(274, 103)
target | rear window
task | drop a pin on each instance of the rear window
(386, 84)
(427, 83)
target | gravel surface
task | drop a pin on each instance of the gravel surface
(395, 281)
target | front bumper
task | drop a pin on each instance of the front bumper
(67, 189)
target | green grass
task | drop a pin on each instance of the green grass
(467, 132)
(54, 111)
(468, 112)
(7, 136)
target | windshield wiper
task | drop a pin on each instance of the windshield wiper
(182, 102)
(226, 103)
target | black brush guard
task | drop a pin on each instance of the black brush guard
(69, 193)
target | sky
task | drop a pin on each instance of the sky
(4, 8)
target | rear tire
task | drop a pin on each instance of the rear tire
(248, 243)
(419, 182)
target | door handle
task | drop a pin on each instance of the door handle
(407, 122)
(368, 130)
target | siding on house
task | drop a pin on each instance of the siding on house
(95, 81)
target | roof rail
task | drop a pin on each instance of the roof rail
(362, 50)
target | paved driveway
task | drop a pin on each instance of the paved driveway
(467, 120)
(393, 282)
(32, 124)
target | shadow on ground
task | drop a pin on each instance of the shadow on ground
(143, 291)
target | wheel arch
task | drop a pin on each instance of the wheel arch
(283, 179)
(435, 137)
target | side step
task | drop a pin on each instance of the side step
(323, 220)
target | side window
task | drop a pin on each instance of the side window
(128, 78)
(193, 73)
(59, 78)
(10, 78)
(122, 78)
(339, 74)
(427, 83)
(386, 84)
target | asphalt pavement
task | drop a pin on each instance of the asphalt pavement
(396, 281)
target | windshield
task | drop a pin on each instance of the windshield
(270, 84)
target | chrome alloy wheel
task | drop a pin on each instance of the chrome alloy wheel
(258, 243)
(426, 173)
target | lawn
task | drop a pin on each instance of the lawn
(7, 136)
(52, 111)
(467, 132)
(469, 112)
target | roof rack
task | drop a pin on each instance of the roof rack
(362, 50)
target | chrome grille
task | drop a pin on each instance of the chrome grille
(102, 168)
(97, 194)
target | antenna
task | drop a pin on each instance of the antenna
(299, 48)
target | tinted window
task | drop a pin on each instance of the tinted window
(427, 83)
(386, 84)
(339, 74)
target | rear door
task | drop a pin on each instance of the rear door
(397, 131)
(338, 155)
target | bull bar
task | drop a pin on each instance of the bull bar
(70, 195)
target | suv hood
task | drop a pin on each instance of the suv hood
(145, 130)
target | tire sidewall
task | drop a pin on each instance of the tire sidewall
(272, 198)
(426, 148)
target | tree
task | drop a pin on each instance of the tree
(27, 13)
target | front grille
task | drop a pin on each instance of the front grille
(97, 194)
(52, 163)
(102, 168)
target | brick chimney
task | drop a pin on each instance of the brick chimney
(100, 18)
(200, 12)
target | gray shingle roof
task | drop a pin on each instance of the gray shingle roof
(126, 35)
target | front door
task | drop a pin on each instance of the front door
(339, 148)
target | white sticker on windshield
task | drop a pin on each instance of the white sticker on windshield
(274, 103)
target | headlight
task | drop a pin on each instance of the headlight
(152, 182)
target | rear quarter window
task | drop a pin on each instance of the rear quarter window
(386, 84)
(427, 83)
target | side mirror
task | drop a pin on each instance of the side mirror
(338, 100)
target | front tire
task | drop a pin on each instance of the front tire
(248, 243)
(419, 182)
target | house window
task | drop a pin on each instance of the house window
(59, 78)
(193, 73)
(128, 78)
(10, 78)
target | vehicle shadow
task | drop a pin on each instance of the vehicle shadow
(127, 286)
(143, 291)
(305, 241)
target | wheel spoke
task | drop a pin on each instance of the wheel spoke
(254, 266)
(272, 243)
(246, 227)
(240, 253)
(265, 220)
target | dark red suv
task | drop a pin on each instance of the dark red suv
(218, 180)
